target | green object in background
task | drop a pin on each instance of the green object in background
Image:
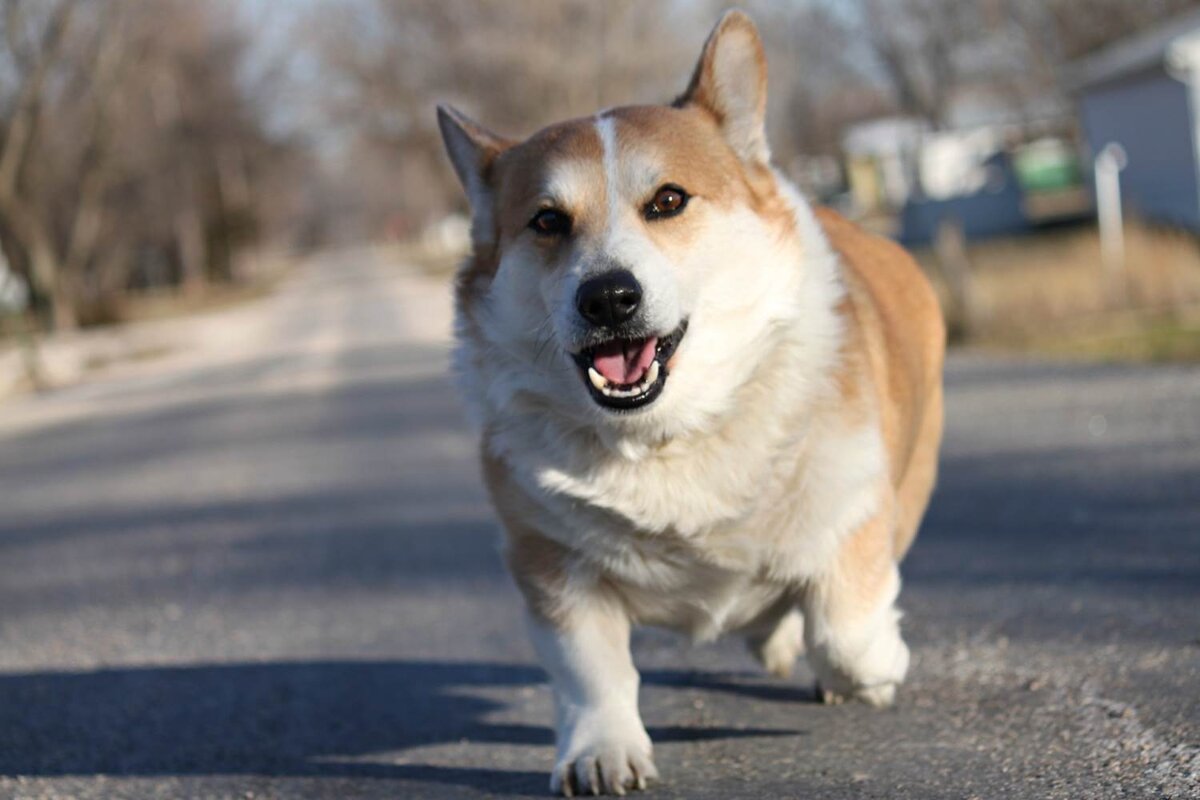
(1047, 165)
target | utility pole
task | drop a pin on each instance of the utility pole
(1108, 166)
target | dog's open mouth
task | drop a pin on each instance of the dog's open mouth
(624, 374)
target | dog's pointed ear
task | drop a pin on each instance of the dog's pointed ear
(730, 82)
(472, 149)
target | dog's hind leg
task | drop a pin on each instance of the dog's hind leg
(777, 638)
(852, 627)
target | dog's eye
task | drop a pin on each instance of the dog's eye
(668, 201)
(550, 222)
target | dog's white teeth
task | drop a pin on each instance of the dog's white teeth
(598, 380)
(609, 389)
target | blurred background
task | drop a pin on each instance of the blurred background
(165, 156)
(244, 548)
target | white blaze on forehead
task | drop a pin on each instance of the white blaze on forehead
(629, 173)
(606, 127)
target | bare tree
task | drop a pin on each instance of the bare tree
(1014, 51)
(517, 65)
(918, 45)
(1071, 28)
(34, 47)
(520, 65)
(129, 151)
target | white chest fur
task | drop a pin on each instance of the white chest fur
(702, 535)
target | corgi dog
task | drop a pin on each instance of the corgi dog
(703, 404)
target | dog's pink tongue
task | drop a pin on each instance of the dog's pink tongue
(625, 362)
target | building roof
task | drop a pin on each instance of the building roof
(1150, 48)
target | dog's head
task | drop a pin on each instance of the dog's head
(627, 266)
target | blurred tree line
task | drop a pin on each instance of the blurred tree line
(131, 151)
(520, 64)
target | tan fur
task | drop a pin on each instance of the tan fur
(701, 89)
(521, 174)
(538, 565)
(896, 321)
(708, 87)
(515, 174)
(861, 569)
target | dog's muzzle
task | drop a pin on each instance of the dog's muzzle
(623, 374)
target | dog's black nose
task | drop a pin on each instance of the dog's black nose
(609, 299)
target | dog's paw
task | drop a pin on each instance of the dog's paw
(604, 759)
(880, 696)
(871, 675)
(779, 651)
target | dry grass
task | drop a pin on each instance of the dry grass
(437, 262)
(1049, 293)
(165, 304)
(261, 275)
(1151, 338)
(31, 360)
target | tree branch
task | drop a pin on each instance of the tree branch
(23, 125)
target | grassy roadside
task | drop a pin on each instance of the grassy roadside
(433, 262)
(1049, 294)
(139, 326)
(168, 304)
(1153, 339)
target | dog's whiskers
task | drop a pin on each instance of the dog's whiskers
(545, 337)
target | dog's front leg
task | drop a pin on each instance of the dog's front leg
(851, 625)
(602, 744)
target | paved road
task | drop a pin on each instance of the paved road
(269, 571)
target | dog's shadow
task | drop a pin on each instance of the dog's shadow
(290, 719)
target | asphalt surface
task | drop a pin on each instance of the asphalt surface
(271, 572)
